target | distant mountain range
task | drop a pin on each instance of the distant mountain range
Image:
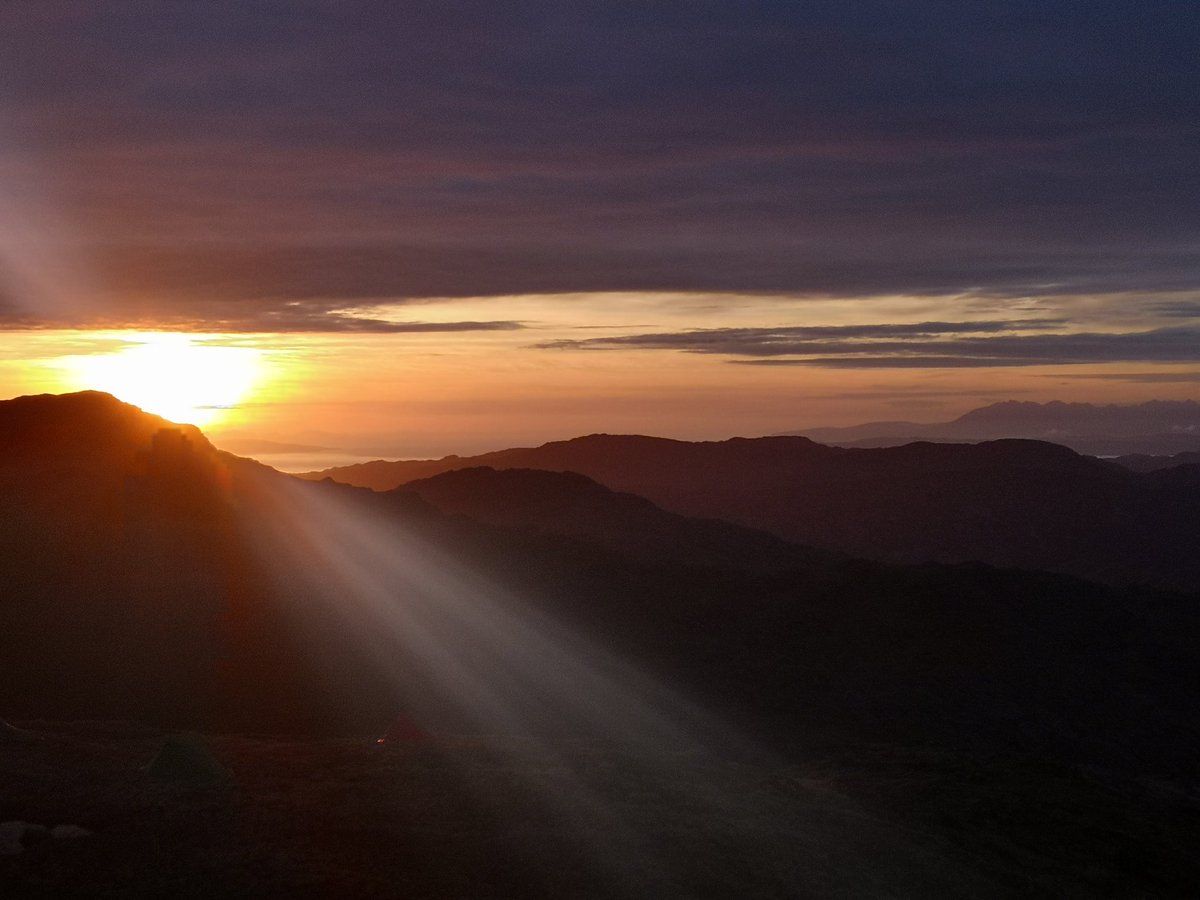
(1019, 503)
(149, 576)
(1159, 427)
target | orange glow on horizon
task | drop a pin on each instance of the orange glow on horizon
(430, 392)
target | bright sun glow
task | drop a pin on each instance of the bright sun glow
(184, 378)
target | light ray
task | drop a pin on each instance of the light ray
(490, 663)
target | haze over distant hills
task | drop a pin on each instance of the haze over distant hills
(1158, 427)
(1020, 503)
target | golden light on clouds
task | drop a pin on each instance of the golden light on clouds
(181, 377)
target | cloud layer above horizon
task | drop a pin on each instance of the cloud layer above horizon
(271, 152)
(1026, 174)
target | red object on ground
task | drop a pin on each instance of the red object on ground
(405, 731)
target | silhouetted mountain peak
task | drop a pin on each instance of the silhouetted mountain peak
(86, 423)
(106, 463)
(1005, 452)
(606, 439)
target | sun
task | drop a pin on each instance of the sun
(185, 378)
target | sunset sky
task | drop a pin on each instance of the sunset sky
(421, 228)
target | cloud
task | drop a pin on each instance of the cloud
(259, 151)
(284, 322)
(788, 339)
(899, 362)
(916, 346)
(277, 317)
(1135, 377)
(1178, 309)
(901, 395)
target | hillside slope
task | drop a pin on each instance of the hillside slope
(566, 503)
(1010, 503)
(200, 590)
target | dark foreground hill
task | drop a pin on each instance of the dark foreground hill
(1009, 503)
(151, 578)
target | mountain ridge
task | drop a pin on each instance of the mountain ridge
(567, 503)
(1011, 502)
(1157, 427)
(1144, 462)
(229, 612)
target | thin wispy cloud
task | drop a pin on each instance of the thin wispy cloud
(1177, 309)
(285, 317)
(1134, 377)
(928, 345)
(786, 339)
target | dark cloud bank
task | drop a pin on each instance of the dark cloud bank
(274, 152)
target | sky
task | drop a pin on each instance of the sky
(422, 228)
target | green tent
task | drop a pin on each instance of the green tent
(185, 758)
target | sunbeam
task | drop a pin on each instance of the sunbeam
(506, 666)
(466, 655)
